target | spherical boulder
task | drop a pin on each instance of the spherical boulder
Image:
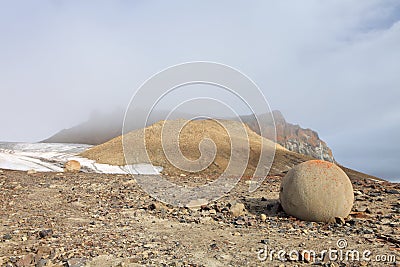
(317, 191)
(72, 166)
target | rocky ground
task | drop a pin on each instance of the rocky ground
(60, 219)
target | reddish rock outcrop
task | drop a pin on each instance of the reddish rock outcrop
(293, 137)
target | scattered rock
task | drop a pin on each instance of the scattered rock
(7, 236)
(375, 194)
(25, 261)
(31, 172)
(120, 220)
(72, 166)
(368, 231)
(214, 246)
(339, 220)
(76, 262)
(157, 206)
(392, 191)
(240, 221)
(316, 190)
(385, 221)
(45, 233)
(106, 261)
(43, 263)
(360, 215)
(307, 257)
(358, 193)
(196, 204)
(42, 252)
(363, 209)
(237, 209)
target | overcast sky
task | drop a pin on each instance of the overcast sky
(332, 66)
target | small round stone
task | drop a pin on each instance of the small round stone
(72, 166)
(316, 190)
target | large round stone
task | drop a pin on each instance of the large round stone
(316, 190)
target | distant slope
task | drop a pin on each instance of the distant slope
(239, 136)
(111, 152)
(98, 129)
(101, 127)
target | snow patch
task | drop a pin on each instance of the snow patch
(48, 157)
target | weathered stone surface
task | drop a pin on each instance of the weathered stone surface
(316, 191)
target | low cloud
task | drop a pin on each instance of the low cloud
(328, 65)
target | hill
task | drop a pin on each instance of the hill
(224, 135)
(100, 128)
(111, 152)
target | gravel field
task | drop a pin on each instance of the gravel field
(66, 219)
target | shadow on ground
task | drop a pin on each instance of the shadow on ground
(269, 207)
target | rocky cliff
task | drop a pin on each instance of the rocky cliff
(293, 137)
